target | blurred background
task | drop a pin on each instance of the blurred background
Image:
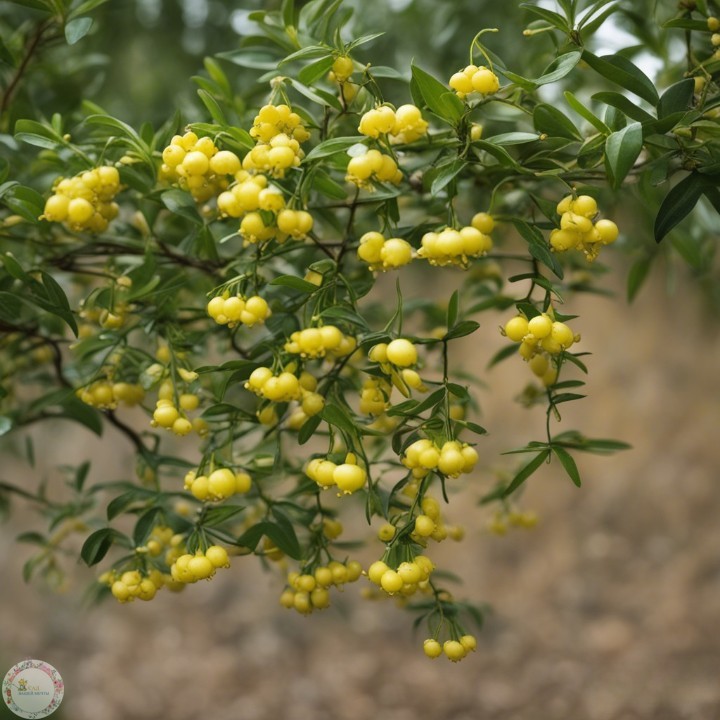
(607, 610)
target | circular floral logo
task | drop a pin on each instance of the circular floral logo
(33, 689)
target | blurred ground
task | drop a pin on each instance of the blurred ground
(608, 610)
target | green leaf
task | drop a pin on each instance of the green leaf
(446, 174)
(218, 515)
(552, 18)
(308, 429)
(181, 203)
(77, 29)
(568, 463)
(332, 147)
(144, 525)
(315, 70)
(96, 546)
(686, 24)
(213, 107)
(336, 415)
(317, 96)
(621, 71)
(678, 203)
(631, 109)
(551, 121)
(676, 98)
(526, 472)
(437, 97)
(453, 308)
(621, 151)
(75, 409)
(466, 327)
(513, 138)
(26, 202)
(584, 112)
(35, 133)
(122, 502)
(538, 247)
(559, 68)
(312, 51)
(296, 283)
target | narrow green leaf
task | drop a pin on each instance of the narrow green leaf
(551, 121)
(621, 151)
(584, 112)
(336, 415)
(567, 461)
(144, 525)
(526, 472)
(678, 203)
(213, 107)
(218, 515)
(296, 283)
(446, 174)
(315, 70)
(559, 68)
(631, 109)
(621, 71)
(466, 327)
(97, 545)
(332, 147)
(552, 18)
(453, 308)
(437, 97)
(308, 429)
(538, 246)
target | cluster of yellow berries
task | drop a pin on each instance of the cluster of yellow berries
(278, 132)
(456, 247)
(319, 342)
(231, 310)
(371, 166)
(409, 576)
(274, 120)
(219, 485)
(84, 202)
(384, 254)
(454, 650)
(347, 477)
(283, 387)
(200, 566)
(577, 230)
(132, 584)
(196, 165)
(452, 458)
(311, 591)
(540, 337)
(106, 395)
(404, 125)
(502, 520)
(474, 79)
(252, 199)
(172, 407)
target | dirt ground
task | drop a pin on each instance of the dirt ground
(608, 610)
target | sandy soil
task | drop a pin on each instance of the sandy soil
(608, 610)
